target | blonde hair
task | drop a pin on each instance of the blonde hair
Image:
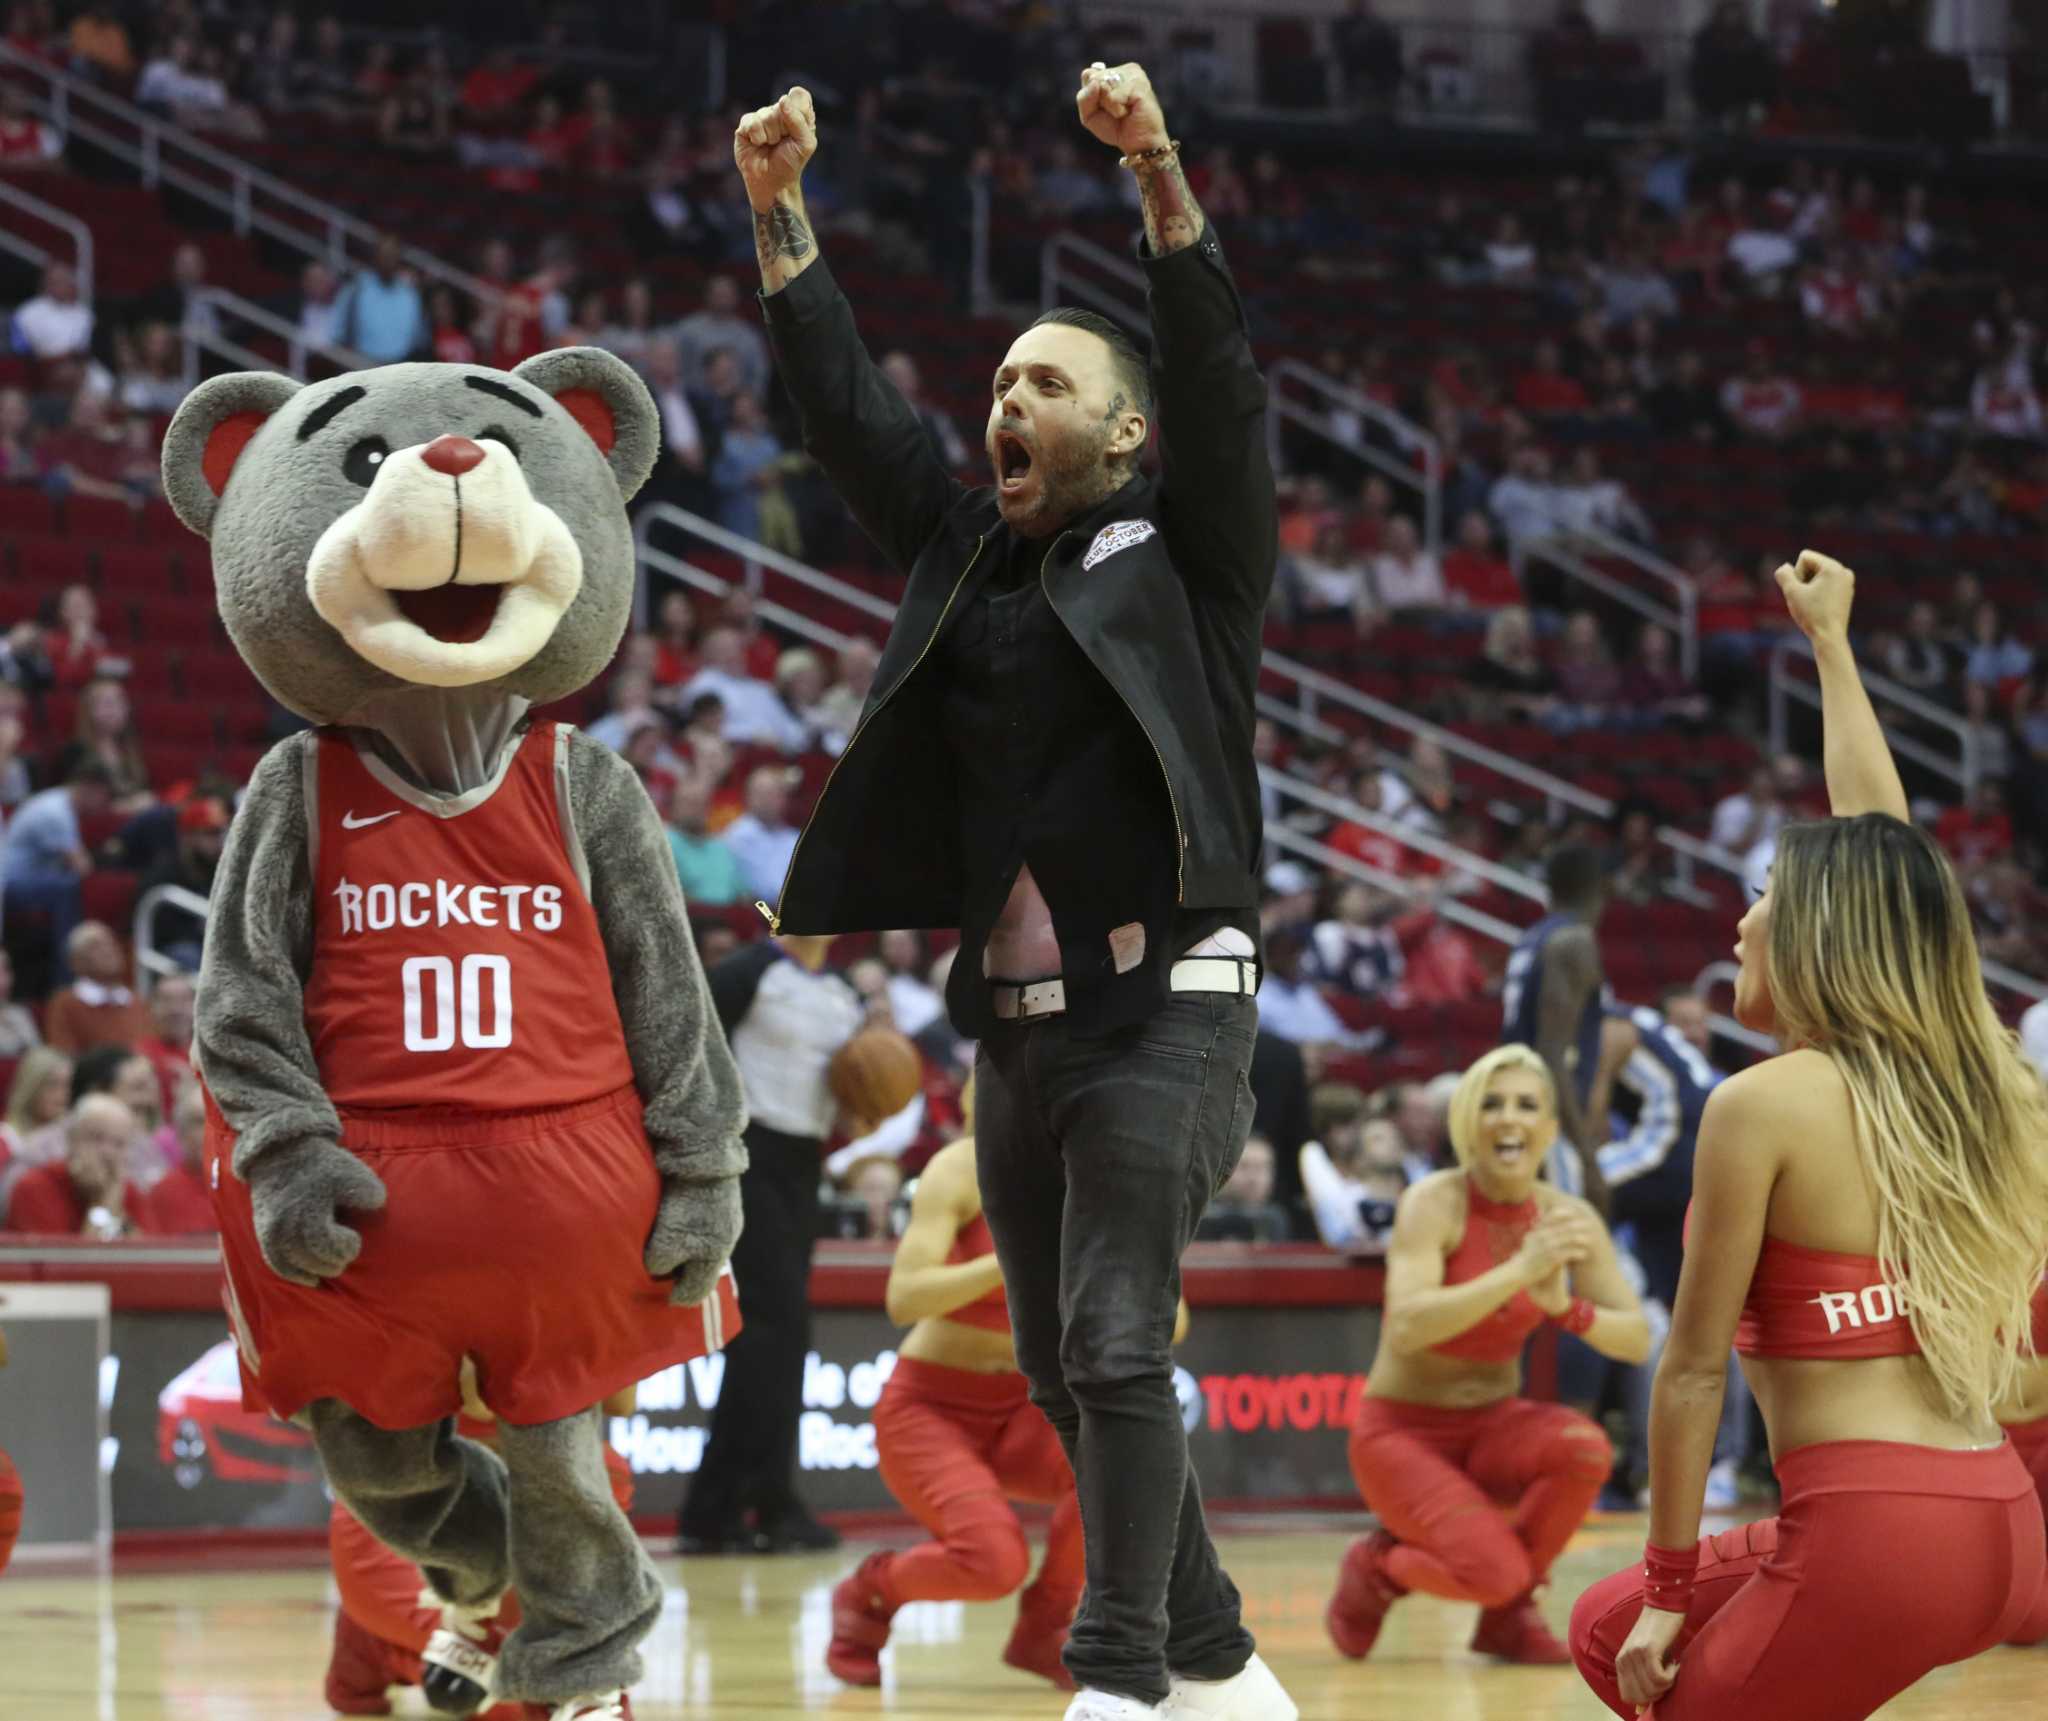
(1872, 962)
(38, 1064)
(1470, 1093)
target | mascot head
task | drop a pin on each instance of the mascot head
(418, 525)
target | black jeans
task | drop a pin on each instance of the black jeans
(1096, 1158)
(750, 1459)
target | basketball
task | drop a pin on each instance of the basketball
(875, 1074)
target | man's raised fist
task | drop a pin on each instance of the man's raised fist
(1116, 103)
(773, 143)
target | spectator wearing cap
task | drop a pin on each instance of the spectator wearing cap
(762, 838)
(56, 323)
(180, 932)
(755, 712)
(45, 855)
(99, 1007)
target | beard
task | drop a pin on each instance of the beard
(1071, 476)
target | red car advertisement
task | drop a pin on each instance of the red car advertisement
(203, 1432)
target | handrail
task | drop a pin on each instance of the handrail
(157, 136)
(1407, 434)
(1565, 551)
(1059, 279)
(1422, 842)
(705, 581)
(1785, 688)
(66, 223)
(247, 311)
(150, 962)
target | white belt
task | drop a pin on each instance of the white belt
(1014, 1003)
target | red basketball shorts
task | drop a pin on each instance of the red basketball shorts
(1885, 1562)
(515, 1239)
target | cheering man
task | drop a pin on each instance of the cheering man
(1057, 758)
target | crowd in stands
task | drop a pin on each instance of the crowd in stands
(1608, 284)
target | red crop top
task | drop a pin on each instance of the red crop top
(991, 1310)
(1493, 1232)
(1820, 1305)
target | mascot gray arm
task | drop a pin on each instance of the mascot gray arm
(695, 1106)
(250, 1033)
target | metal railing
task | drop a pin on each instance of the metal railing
(50, 215)
(1328, 398)
(151, 964)
(1788, 689)
(254, 201)
(1570, 553)
(753, 558)
(1076, 270)
(245, 311)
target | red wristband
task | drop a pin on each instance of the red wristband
(1668, 1576)
(1578, 1318)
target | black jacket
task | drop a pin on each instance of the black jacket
(1173, 621)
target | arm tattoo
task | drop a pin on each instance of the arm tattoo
(780, 233)
(1173, 219)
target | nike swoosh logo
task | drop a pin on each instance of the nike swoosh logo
(349, 822)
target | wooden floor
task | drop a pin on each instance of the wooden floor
(746, 1638)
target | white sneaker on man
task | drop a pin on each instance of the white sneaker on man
(1255, 1694)
(1724, 1488)
(602, 1706)
(1091, 1705)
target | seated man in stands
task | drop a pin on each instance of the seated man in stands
(168, 1044)
(1244, 1210)
(85, 1194)
(180, 932)
(100, 1007)
(181, 1204)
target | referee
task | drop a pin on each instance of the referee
(1057, 759)
(784, 1018)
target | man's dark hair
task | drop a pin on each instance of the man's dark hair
(90, 773)
(97, 1069)
(1133, 372)
(1575, 876)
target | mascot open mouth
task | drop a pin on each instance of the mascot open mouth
(453, 614)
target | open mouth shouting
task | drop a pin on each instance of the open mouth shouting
(1014, 463)
(1511, 1151)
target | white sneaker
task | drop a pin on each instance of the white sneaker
(604, 1706)
(1089, 1705)
(1252, 1695)
(458, 1647)
(1724, 1489)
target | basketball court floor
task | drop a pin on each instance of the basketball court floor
(745, 1639)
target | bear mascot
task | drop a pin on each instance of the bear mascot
(468, 1099)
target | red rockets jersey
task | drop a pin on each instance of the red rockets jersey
(456, 955)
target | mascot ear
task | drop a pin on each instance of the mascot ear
(211, 428)
(605, 395)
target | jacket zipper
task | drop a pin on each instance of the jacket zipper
(1180, 851)
(768, 914)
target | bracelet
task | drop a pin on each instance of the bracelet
(1157, 156)
(1578, 1317)
(1668, 1575)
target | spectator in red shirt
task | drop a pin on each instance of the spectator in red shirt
(763, 652)
(1979, 830)
(25, 142)
(1761, 402)
(168, 1044)
(498, 84)
(84, 1194)
(1375, 848)
(181, 1205)
(1476, 575)
(599, 144)
(1838, 298)
(74, 647)
(90, 454)
(1546, 389)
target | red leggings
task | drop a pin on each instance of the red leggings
(1437, 1478)
(1886, 1561)
(956, 1447)
(2030, 1441)
(10, 1508)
